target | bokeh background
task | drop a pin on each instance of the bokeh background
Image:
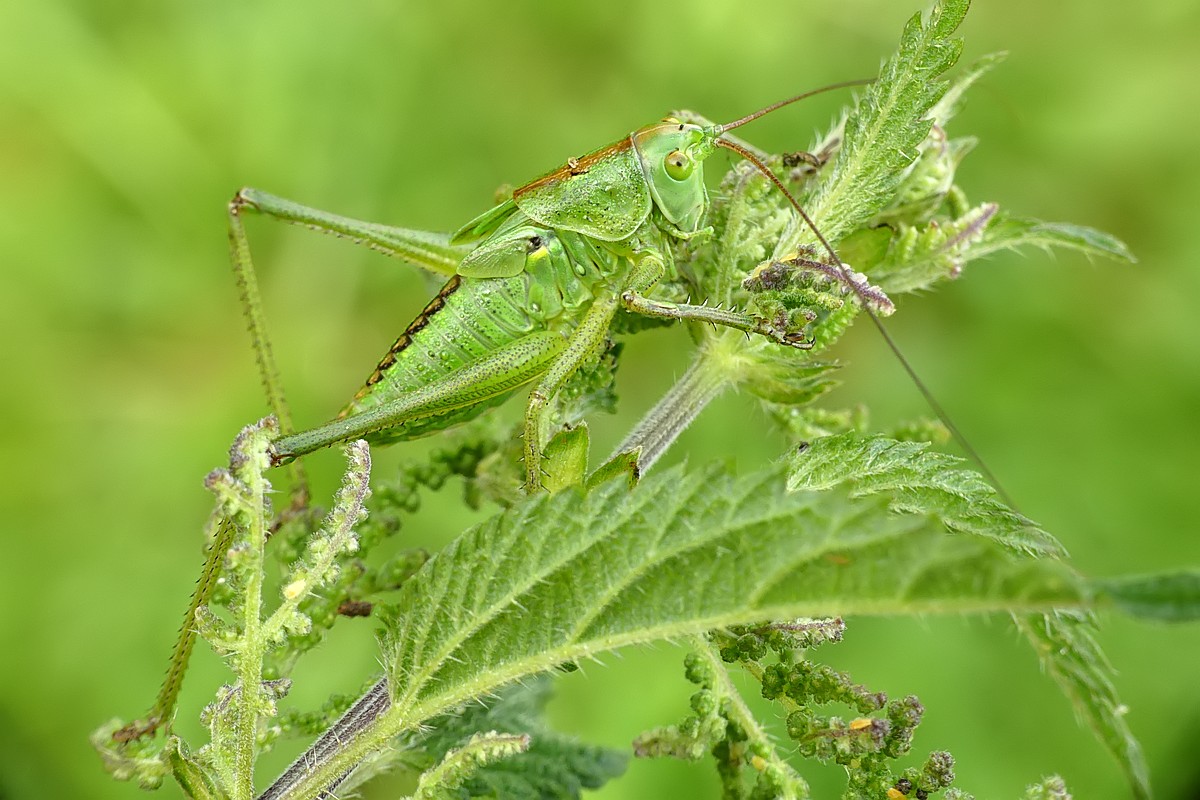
(126, 126)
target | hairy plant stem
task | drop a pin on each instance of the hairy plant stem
(707, 376)
(365, 712)
(250, 659)
(739, 712)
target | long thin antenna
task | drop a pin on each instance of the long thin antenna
(858, 290)
(737, 123)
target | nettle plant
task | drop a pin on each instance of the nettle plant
(753, 572)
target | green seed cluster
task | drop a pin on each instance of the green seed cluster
(808, 683)
(867, 745)
(936, 774)
(751, 643)
(697, 733)
(713, 728)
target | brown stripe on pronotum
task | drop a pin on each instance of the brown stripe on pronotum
(574, 166)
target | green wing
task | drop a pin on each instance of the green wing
(484, 224)
(498, 257)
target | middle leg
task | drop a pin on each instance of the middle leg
(584, 342)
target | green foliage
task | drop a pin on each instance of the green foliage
(550, 765)
(755, 570)
(1070, 654)
(883, 136)
(917, 481)
(1170, 596)
(572, 575)
(564, 577)
(1012, 232)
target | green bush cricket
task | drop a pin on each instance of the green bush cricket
(533, 299)
(533, 290)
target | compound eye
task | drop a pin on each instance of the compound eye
(678, 165)
(535, 243)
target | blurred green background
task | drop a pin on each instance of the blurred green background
(126, 126)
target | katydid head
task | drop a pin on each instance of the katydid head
(672, 155)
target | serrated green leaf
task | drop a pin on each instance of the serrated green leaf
(555, 765)
(779, 377)
(946, 16)
(1007, 232)
(1169, 597)
(1071, 655)
(882, 136)
(919, 482)
(569, 576)
(918, 257)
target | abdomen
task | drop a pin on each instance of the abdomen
(468, 319)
